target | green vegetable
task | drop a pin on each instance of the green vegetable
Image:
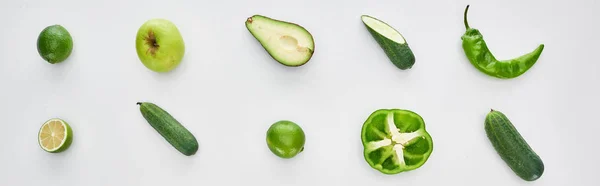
(512, 148)
(167, 126)
(395, 141)
(480, 56)
(391, 41)
(285, 139)
(288, 43)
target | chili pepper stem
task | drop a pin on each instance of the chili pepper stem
(465, 18)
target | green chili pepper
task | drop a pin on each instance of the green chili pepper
(480, 56)
(395, 141)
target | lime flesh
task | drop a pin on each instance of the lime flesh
(55, 136)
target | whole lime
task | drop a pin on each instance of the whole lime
(54, 44)
(285, 139)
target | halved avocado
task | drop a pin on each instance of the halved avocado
(288, 43)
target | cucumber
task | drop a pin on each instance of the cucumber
(391, 41)
(169, 128)
(512, 148)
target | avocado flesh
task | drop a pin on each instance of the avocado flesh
(288, 43)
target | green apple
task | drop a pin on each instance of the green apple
(159, 45)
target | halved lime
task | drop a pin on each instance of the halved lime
(55, 135)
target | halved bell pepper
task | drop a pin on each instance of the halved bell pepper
(395, 141)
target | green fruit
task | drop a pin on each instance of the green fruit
(395, 141)
(159, 45)
(391, 41)
(482, 58)
(55, 136)
(285, 139)
(512, 148)
(54, 44)
(288, 43)
(169, 128)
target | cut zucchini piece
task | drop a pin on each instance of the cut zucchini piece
(391, 41)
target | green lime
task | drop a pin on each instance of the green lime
(55, 135)
(285, 139)
(54, 44)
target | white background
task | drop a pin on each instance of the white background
(228, 91)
